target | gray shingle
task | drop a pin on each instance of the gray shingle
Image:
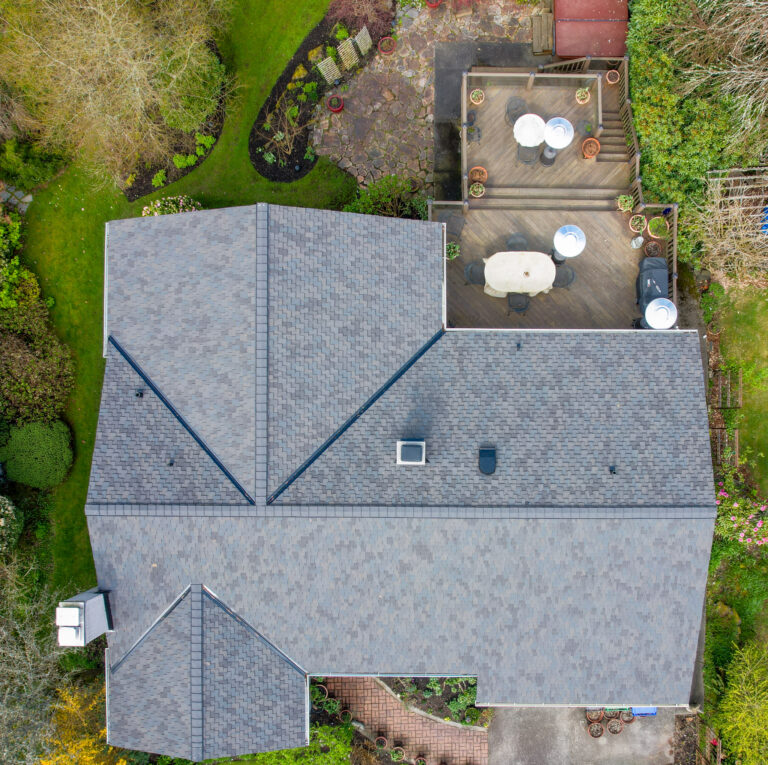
(351, 299)
(135, 441)
(531, 606)
(560, 411)
(181, 299)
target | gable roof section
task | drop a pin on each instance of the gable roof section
(559, 407)
(180, 298)
(351, 299)
(202, 683)
(137, 439)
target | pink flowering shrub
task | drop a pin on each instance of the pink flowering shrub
(741, 514)
(170, 205)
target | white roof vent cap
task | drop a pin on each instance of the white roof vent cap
(411, 452)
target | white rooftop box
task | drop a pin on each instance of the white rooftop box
(82, 618)
(411, 452)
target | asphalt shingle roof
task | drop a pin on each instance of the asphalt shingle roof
(202, 683)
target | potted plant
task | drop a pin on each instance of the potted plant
(595, 730)
(345, 716)
(478, 175)
(420, 760)
(658, 227)
(318, 693)
(615, 726)
(594, 715)
(637, 223)
(612, 76)
(590, 148)
(397, 754)
(332, 706)
(583, 95)
(476, 96)
(625, 202)
(452, 250)
(381, 743)
(335, 104)
(612, 714)
(477, 190)
(387, 45)
(652, 250)
(434, 4)
(627, 717)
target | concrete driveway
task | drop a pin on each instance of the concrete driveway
(559, 737)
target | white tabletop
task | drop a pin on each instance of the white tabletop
(529, 130)
(526, 272)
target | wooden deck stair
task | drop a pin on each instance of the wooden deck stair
(613, 142)
(542, 198)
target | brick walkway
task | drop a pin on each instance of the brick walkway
(381, 712)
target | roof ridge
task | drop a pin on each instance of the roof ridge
(200, 442)
(351, 420)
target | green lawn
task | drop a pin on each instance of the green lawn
(744, 321)
(65, 237)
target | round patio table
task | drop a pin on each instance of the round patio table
(526, 272)
(529, 130)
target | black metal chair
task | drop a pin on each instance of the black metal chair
(565, 276)
(516, 108)
(474, 272)
(517, 302)
(517, 243)
(474, 134)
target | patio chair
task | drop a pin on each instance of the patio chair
(517, 243)
(516, 108)
(565, 276)
(474, 134)
(474, 272)
(528, 155)
(517, 303)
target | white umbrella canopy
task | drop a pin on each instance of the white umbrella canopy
(529, 130)
(558, 133)
(661, 313)
(570, 241)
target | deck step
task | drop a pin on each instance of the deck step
(534, 192)
(614, 141)
(613, 156)
(563, 203)
(612, 131)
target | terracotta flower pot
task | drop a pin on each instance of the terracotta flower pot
(595, 730)
(582, 96)
(345, 716)
(420, 761)
(335, 104)
(614, 726)
(652, 250)
(627, 717)
(478, 175)
(380, 742)
(637, 223)
(397, 754)
(612, 714)
(658, 227)
(590, 148)
(477, 190)
(612, 77)
(476, 96)
(432, 4)
(387, 45)
(594, 715)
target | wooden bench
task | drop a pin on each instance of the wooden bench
(542, 24)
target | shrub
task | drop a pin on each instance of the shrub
(26, 164)
(10, 526)
(741, 515)
(38, 454)
(10, 231)
(184, 160)
(377, 15)
(390, 196)
(743, 717)
(35, 377)
(171, 205)
(159, 179)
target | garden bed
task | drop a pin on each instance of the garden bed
(449, 698)
(289, 108)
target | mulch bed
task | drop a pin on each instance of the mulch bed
(686, 739)
(184, 143)
(436, 704)
(296, 165)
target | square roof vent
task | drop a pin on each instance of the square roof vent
(411, 452)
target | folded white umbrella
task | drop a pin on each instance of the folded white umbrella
(529, 130)
(558, 133)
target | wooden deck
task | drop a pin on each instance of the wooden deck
(497, 149)
(602, 297)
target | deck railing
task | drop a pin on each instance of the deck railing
(671, 246)
(464, 171)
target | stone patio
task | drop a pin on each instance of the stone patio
(386, 125)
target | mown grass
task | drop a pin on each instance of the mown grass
(65, 238)
(744, 340)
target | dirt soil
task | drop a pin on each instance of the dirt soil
(686, 739)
